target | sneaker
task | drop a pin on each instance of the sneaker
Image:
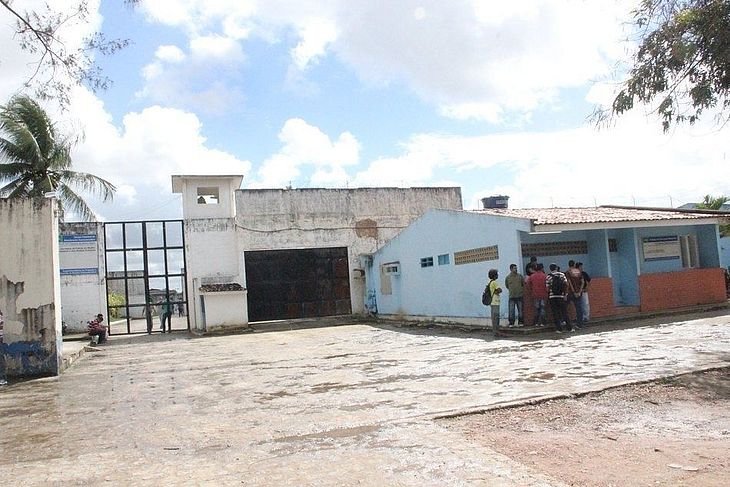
(557, 330)
(573, 330)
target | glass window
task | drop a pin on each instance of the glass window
(427, 262)
(444, 259)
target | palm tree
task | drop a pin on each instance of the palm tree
(716, 203)
(35, 159)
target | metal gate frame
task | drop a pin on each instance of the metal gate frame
(145, 271)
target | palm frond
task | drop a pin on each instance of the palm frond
(12, 170)
(89, 183)
(31, 115)
(69, 200)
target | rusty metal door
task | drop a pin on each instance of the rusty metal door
(301, 283)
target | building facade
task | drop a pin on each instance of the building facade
(640, 259)
(269, 254)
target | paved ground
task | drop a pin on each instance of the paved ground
(351, 405)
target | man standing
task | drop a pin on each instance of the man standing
(584, 298)
(575, 291)
(494, 303)
(166, 314)
(557, 287)
(536, 284)
(531, 266)
(515, 284)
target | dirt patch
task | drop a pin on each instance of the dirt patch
(670, 432)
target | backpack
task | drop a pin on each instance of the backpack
(487, 295)
(557, 285)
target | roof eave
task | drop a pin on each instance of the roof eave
(567, 227)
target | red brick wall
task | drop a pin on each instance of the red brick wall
(689, 287)
(600, 296)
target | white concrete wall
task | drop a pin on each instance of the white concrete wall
(30, 292)
(224, 310)
(360, 219)
(83, 296)
(445, 290)
(193, 210)
(213, 257)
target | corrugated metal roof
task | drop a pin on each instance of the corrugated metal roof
(601, 214)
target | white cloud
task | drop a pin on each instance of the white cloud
(170, 54)
(470, 58)
(631, 163)
(152, 145)
(304, 145)
(314, 36)
(216, 48)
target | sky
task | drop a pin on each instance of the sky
(491, 96)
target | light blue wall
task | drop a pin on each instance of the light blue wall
(624, 269)
(708, 237)
(707, 241)
(725, 252)
(445, 290)
(595, 262)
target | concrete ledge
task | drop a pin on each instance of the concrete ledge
(71, 352)
(568, 395)
(481, 324)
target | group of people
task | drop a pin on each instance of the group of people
(556, 289)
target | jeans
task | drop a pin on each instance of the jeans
(578, 304)
(540, 312)
(515, 303)
(559, 312)
(166, 316)
(586, 307)
(495, 317)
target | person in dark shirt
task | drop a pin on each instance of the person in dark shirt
(531, 267)
(584, 297)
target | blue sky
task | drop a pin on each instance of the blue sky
(489, 96)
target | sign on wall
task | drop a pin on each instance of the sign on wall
(662, 248)
(78, 254)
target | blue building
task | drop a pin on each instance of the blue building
(640, 259)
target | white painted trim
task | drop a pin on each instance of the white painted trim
(567, 227)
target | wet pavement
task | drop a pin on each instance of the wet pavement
(347, 405)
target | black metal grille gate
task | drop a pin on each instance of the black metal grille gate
(145, 276)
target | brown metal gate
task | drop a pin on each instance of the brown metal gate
(300, 283)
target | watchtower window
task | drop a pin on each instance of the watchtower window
(208, 195)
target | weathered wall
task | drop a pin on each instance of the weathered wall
(30, 292)
(360, 219)
(213, 257)
(83, 293)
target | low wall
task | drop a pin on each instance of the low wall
(29, 287)
(690, 287)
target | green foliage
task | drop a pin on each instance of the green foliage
(115, 299)
(682, 65)
(715, 203)
(35, 159)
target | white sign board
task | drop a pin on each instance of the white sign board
(662, 248)
(78, 254)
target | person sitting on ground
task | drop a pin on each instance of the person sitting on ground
(97, 328)
(536, 284)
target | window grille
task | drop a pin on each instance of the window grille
(480, 254)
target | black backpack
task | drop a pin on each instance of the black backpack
(557, 285)
(487, 294)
